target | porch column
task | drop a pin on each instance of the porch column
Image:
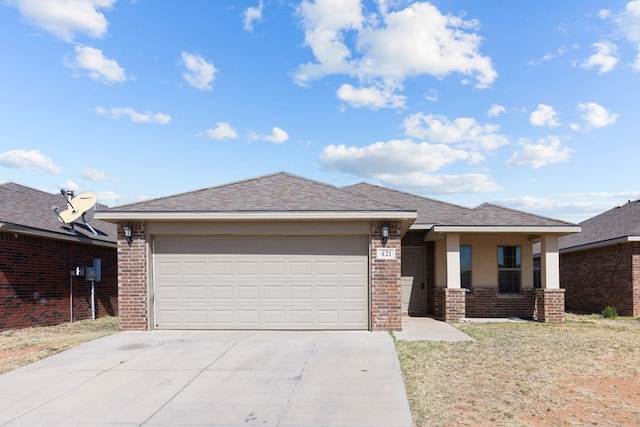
(550, 299)
(453, 295)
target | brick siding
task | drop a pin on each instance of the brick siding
(450, 304)
(386, 304)
(132, 278)
(600, 277)
(550, 305)
(35, 281)
(488, 302)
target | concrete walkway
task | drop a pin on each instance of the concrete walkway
(213, 378)
(428, 329)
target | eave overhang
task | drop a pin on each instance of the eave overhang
(602, 243)
(118, 216)
(35, 232)
(534, 231)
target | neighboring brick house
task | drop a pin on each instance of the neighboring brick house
(284, 252)
(37, 256)
(600, 266)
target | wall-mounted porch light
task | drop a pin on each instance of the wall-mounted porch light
(384, 231)
(128, 234)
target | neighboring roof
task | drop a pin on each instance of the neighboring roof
(278, 196)
(620, 224)
(28, 211)
(448, 217)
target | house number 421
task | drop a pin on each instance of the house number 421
(386, 253)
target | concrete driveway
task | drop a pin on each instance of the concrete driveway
(213, 378)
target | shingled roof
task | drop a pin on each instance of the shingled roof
(612, 226)
(433, 212)
(276, 193)
(27, 210)
(429, 211)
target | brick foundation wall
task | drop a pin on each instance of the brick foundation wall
(488, 302)
(132, 279)
(550, 305)
(35, 281)
(600, 277)
(449, 304)
(386, 304)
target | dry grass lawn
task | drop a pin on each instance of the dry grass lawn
(19, 347)
(583, 372)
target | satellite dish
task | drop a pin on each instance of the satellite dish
(77, 206)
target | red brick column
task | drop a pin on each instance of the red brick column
(450, 304)
(132, 278)
(386, 305)
(550, 305)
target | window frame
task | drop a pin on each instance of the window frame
(468, 270)
(511, 267)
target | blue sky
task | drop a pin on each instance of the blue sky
(529, 105)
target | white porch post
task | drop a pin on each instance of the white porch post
(550, 262)
(453, 261)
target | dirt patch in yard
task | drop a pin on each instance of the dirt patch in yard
(19, 347)
(583, 372)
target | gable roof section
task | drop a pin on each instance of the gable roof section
(278, 196)
(430, 212)
(445, 217)
(28, 211)
(618, 225)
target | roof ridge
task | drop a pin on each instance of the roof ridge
(522, 212)
(409, 194)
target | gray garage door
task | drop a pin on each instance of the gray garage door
(261, 283)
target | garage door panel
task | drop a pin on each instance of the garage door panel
(261, 283)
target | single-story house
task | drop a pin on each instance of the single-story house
(600, 266)
(42, 262)
(285, 252)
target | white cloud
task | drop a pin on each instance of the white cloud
(28, 160)
(596, 115)
(99, 67)
(371, 97)
(69, 185)
(108, 197)
(389, 46)
(441, 184)
(605, 58)
(222, 130)
(496, 110)
(464, 131)
(198, 72)
(545, 115)
(629, 21)
(252, 14)
(134, 116)
(604, 13)
(66, 18)
(278, 136)
(97, 175)
(546, 151)
(393, 157)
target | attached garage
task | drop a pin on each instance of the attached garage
(261, 282)
(278, 252)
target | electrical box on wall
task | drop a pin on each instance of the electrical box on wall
(93, 273)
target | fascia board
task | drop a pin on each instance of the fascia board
(600, 244)
(550, 229)
(252, 216)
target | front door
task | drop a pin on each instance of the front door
(414, 286)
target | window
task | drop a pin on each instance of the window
(509, 269)
(465, 267)
(537, 275)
